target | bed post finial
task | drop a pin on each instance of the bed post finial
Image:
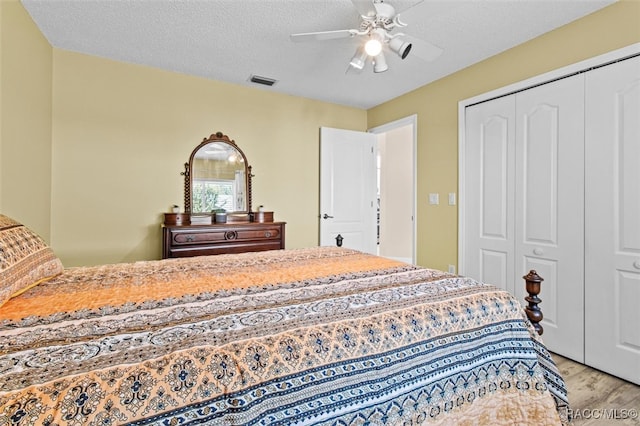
(534, 313)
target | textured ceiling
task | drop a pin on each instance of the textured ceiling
(229, 40)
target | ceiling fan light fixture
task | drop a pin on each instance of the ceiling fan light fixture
(376, 34)
(380, 63)
(400, 46)
(359, 59)
(373, 46)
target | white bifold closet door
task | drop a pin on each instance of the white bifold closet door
(612, 219)
(524, 201)
(549, 209)
(489, 179)
(552, 183)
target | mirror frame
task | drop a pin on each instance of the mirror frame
(188, 167)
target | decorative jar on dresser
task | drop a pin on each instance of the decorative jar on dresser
(217, 214)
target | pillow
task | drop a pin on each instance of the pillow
(25, 259)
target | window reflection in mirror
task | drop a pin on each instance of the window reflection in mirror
(218, 179)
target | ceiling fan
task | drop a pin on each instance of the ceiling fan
(378, 21)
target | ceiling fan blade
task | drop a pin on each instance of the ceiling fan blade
(403, 5)
(423, 49)
(365, 7)
(322, 35)
(397, 6)
(369, 9)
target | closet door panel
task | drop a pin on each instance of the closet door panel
(612, 219)
(488, 181)
(549, 202)
(539, 172)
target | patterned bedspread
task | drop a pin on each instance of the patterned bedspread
(323, 336)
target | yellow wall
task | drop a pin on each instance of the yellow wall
(436, 105)
(25, 119)
(122, 133)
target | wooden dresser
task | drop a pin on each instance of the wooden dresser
(218, 217)
(219, 238)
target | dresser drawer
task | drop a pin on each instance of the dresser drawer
(197, 240)
(208, 236)
(209, 249)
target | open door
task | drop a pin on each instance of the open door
(348, 205)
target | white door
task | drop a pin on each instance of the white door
(550, 206)
(612, 222)
(521, 213)
(348, 189)
(488, 193)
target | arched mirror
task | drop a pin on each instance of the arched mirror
(217, 178)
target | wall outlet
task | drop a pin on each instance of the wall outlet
(434, 198)
(452, 269)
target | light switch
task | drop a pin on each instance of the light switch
(452, 198)
(434, 199)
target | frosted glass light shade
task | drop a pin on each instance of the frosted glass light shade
(373, 47)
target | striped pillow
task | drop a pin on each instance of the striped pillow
(25, 259)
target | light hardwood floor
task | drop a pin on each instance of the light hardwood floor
(593, 393)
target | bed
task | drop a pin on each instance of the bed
(323, 336)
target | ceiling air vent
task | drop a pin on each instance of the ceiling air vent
(262, 80)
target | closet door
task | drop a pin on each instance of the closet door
(549, 224)
(612, 273)
(488, 181)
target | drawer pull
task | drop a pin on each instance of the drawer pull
(190, 238)
(230, 235)
(636, 264)
(267, 234)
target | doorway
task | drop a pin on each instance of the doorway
(396, 183)
(368, 189)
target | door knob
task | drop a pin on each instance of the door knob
(538, 251)
(326, 216)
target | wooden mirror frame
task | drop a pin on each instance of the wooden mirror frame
(188, 167)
